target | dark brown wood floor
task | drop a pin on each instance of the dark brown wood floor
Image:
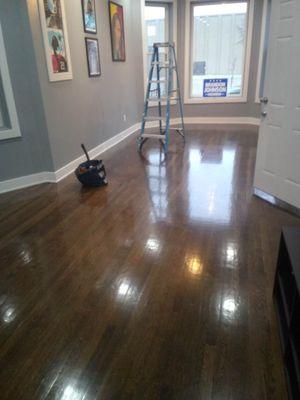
(156, 287)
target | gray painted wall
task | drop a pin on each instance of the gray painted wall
(91, 110)
(30, 153)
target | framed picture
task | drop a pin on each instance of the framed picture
(56, 43)
(93, 57)
(116, 17)
(89, 16)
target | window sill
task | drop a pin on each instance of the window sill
(9, 133)
(221, 100)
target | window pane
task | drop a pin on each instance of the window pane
(156, 31)
(218, 53)
(4, 116)
(1, 119)
(155, 25)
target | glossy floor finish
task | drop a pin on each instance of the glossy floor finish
(156, 287)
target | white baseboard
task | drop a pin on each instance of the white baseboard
(54, 177)
(209, 121)
(217, 121)
(221, 120)
(26, 181)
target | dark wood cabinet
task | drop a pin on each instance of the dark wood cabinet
(287, 301)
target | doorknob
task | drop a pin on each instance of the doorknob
(264, 113)
(264, 100)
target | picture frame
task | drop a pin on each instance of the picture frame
(117, 31)
(93, 57)
(89, 16)
(56, 41)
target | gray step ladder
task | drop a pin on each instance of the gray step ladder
(167, 63)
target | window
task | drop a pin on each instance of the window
(157, 30)
(156, 23)
(219, 50)
(9, 125)
(159, 26)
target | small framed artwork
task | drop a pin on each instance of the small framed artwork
(56, 42)
(116, 17)
(89, 16)
(93, 57)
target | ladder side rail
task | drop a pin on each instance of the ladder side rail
(158, 90)
(179, 92)
(146, 106)
(168, 109)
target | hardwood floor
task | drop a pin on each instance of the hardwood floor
(158, 286)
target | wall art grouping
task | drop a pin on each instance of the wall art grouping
(55, 34)
(56, 43)
(117, 31)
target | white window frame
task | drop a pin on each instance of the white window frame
(174, 35)
(14, 130)
(188, 67)
(261, 50)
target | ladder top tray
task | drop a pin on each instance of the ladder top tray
(163, 44)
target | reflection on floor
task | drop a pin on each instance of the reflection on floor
(156, 287)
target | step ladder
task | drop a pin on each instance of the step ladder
(162, 61)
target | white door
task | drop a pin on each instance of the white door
(278, 157)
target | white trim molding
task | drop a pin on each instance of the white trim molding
(187, 60)
(210, 121)
(261, 50)
(218, 121)
(54, 177)
(13, 130)
(26, 181)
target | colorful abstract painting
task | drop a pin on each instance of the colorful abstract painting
(93, 57)
(89, 16)
(52, 14)
(117, 31)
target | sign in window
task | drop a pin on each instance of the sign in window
(215, 87)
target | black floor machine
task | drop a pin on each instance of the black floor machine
(91, 172)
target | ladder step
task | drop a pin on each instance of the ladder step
(160, 63)
(165, 65)
(162, 99)
(153, 118)
(153, 135)
(168, 67)
(158, 81)
(164, 44)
